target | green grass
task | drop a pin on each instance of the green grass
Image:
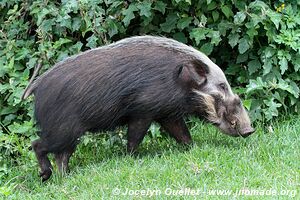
(269, 160)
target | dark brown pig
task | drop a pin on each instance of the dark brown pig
(133, 82)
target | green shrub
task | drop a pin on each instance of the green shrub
(256, 43)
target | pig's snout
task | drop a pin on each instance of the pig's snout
(247, 131)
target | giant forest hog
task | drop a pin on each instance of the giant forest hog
(133, 82)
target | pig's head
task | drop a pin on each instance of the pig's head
(228, 114)
(213, 99)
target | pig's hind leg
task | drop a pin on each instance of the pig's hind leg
(62, 159)
(137, 129)
(177, 129)
(41, 151)
(63, 146)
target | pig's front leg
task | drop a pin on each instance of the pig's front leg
(137, 129)
(177, 129)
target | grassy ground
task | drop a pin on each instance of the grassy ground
(216, 166)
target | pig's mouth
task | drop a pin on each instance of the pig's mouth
(237, 131)
(244, 132)
(247, 131)
(217, 124)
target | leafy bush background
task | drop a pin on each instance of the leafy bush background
(256, 43)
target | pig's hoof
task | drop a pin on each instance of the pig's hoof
(187, 145)
(132, 153)
(186, 141)
(45, 174)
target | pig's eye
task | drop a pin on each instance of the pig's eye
(223, 86)
(232, 123)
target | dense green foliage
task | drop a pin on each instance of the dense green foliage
(256, 43)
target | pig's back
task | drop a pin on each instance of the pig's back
(103, 85)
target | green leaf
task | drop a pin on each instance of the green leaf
(233, 69)
(223, 27)
(272, 110)
(22, 53)
(76, 23)
(258, 5)
(239, 17)
(112, 27)
(41, 15)
(211, 6)
(57, 44)
(11, 63)
(255, 85)
(4, 88)
(296, 63)
(20, 128)
(279, 98)
(198, 34)
(160, 6)
(154, 131)
(189, 1)
(243, 45)
(267, 67)
(65, 21)
(227, 11)
(46, 25)
(242, 58)
(252, 32)
(170, 23)
(247, 103)
(184, 22)
(275, 18)
(284, 85)
(283, 65)
(76, 48)
(269, 52)
(129, 14)
(145, 8)
(8, 110)
(180, 37)
(203, 20)
(295, 89)
(72, 5)
(92, 41)
(13, 11)
(215, 15)
(207, 48)
(32, 62)
(8, 119)
(233, 39)
(215, 37)
(87, 25)
(253, 66)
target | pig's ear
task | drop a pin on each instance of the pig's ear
(193, 73)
